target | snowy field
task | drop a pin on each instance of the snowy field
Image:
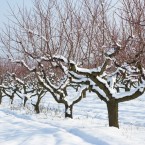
(19, 126)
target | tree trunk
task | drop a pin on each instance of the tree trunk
(12, 99)
(68, 111)
(0, 99)
(36, 107)
(112, 106)
(25, 100)
(0, 96)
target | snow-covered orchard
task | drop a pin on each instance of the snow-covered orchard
(74, 75)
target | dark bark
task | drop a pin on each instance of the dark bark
(25, 100)
(68, 111)
(36, 106)
(12, 98)
(0, 99)
(130, 97)
(1, 96)
(112, 106)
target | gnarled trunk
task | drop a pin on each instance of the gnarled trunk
(112, 106)
(68, 111)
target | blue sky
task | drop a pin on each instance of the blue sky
(5, 10)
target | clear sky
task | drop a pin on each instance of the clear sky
(5, 13)
(5, 10)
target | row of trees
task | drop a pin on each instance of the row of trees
(77, 45)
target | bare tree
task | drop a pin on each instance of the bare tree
(129, 78)
(2, 73)
(87, 48)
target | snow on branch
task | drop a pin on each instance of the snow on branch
(78, 97)
(132, 94)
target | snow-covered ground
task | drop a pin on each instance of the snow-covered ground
(20, 126)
